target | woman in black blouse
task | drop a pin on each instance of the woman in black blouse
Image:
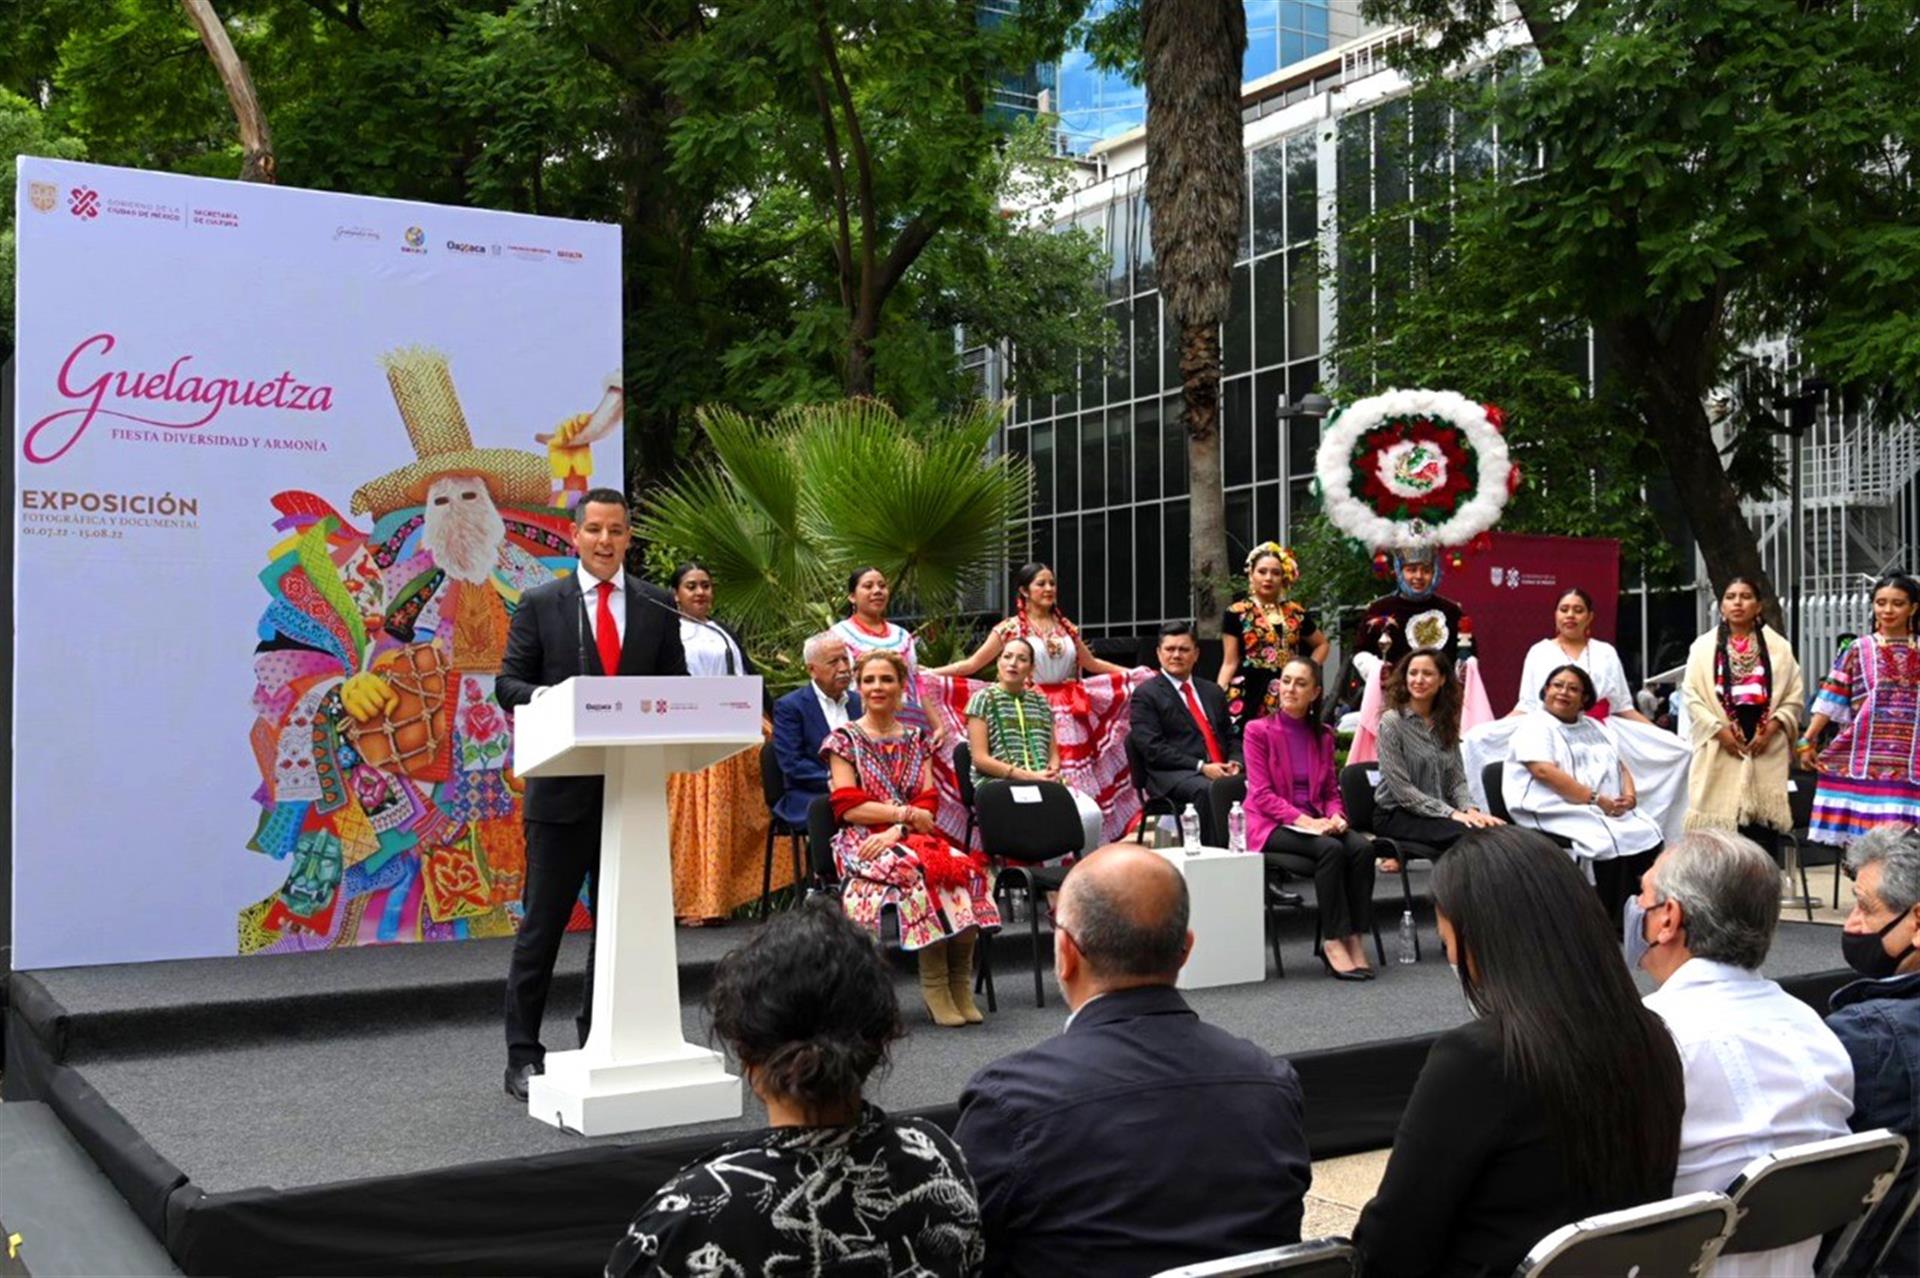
(807, 1008)
(1561, 1099)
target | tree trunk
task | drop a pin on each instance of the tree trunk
(1206, 503)
(256, 139)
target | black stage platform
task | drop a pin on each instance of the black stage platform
(342, 1113)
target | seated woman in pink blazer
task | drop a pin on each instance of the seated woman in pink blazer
(1294, 817)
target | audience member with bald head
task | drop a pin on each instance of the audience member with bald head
(1140, 1138)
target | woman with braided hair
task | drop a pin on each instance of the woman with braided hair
(1745, 700)
(1260, 634)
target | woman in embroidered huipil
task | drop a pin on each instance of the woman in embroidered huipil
(1010, 733)
(1744, 702)
(890, 853)
(1088, 698)
(1867, 773)
(1264, 631)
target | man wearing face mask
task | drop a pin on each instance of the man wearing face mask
(1763, 1072)
(1878, 1021)
(1141, 1138)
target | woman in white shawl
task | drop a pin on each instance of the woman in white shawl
(1657, 757)
(1565, 778)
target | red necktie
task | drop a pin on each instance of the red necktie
(606, 633)
(1206, 729)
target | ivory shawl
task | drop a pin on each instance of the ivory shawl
(1723, 791)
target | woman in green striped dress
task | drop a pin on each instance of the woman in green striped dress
(1010, 732)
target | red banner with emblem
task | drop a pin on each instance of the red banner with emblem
(1509, 591)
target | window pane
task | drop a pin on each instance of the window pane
(1146, 561)
(1146, 450)
(1117, 368)
(1169, 351)
(1146, 345)
(1176, 550)
(1236, 431)
(1066, 484)
(1173, 442)
(1093, 570)
(1266, 514)
(1236, 346)
(1066, 564)
(1040, 541)
(1043, 468)
(1269, 311)
(1304, 440)
(1144, 274)
(1117, 551)
(1303, 303)
(1303, 188)
(1267, 389)
(1119, 455)
(1093, 461)
(1120, 247)
(1239, 526)
(1300, 493)
(1269, 192)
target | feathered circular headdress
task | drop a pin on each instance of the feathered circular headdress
(1416, 470)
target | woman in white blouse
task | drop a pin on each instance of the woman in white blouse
(1658, 757)
(1565, 778)
(709, 647)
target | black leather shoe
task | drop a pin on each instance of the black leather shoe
(1284, 899)
(517, 1080)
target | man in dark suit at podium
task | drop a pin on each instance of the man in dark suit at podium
(599, 619)
(1181, 729)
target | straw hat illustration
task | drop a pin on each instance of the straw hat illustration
(422, 385)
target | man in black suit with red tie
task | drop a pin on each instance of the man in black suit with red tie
(597, 620)
(1180, 728)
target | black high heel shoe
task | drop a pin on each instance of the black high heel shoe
(1338, 975)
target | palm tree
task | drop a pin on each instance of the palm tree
(1190, 60)
(794, 503)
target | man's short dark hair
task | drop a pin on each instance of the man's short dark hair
(604, 496)
(1172, 628)
(1115, 943)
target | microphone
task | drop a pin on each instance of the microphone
(726, 640)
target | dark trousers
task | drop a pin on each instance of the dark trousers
(1438, 833)
(1197, 790)
(560, 857)
(1619, 879)
(1342, 870)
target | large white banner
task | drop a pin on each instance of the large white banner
(285, 463)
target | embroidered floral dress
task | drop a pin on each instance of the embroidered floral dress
(889, 770)
(1873, 688)
(885, 1196)
(1269, 638)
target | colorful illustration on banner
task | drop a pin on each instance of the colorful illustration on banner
(385, 759)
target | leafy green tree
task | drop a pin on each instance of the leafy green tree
(795, 502)
(24, 130)
(1686, 179)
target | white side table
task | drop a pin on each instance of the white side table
(1227, 891)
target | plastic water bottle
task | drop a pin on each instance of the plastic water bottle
(1403, 951)
(1237, 828)
(1190, 830)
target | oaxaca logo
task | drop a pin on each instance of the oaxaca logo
(173, 398)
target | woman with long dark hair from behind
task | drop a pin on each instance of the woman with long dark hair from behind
(1560, 1099)
(807, 1009)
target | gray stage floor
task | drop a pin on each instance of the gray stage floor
(418, 1092)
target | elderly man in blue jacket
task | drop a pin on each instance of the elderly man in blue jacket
(1141, 1138)
(803, 718)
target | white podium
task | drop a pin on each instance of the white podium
(1226, 894)
(636, 1071)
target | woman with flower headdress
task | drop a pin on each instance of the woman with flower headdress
(1260, 634)
(1088, 697)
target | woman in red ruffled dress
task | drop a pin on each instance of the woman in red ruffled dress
(891, 855)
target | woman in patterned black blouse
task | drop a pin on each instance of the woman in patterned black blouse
(833, 1185)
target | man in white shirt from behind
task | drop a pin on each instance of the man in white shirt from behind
(1763, 1071)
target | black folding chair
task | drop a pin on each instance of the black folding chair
(1023, 823)
(773, 787)
(1677, 1238)
(1149, 806)
(963, 771)
(1357, 781)
(1493, 781)
(1801, 786)
(1320, 1258)
(1807, 1191)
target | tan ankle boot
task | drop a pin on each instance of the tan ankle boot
(960, 976)
(934, 988)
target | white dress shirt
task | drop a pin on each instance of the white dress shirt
(707, 649)
(1763, 1072)
(590, 592)
(835, 711)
